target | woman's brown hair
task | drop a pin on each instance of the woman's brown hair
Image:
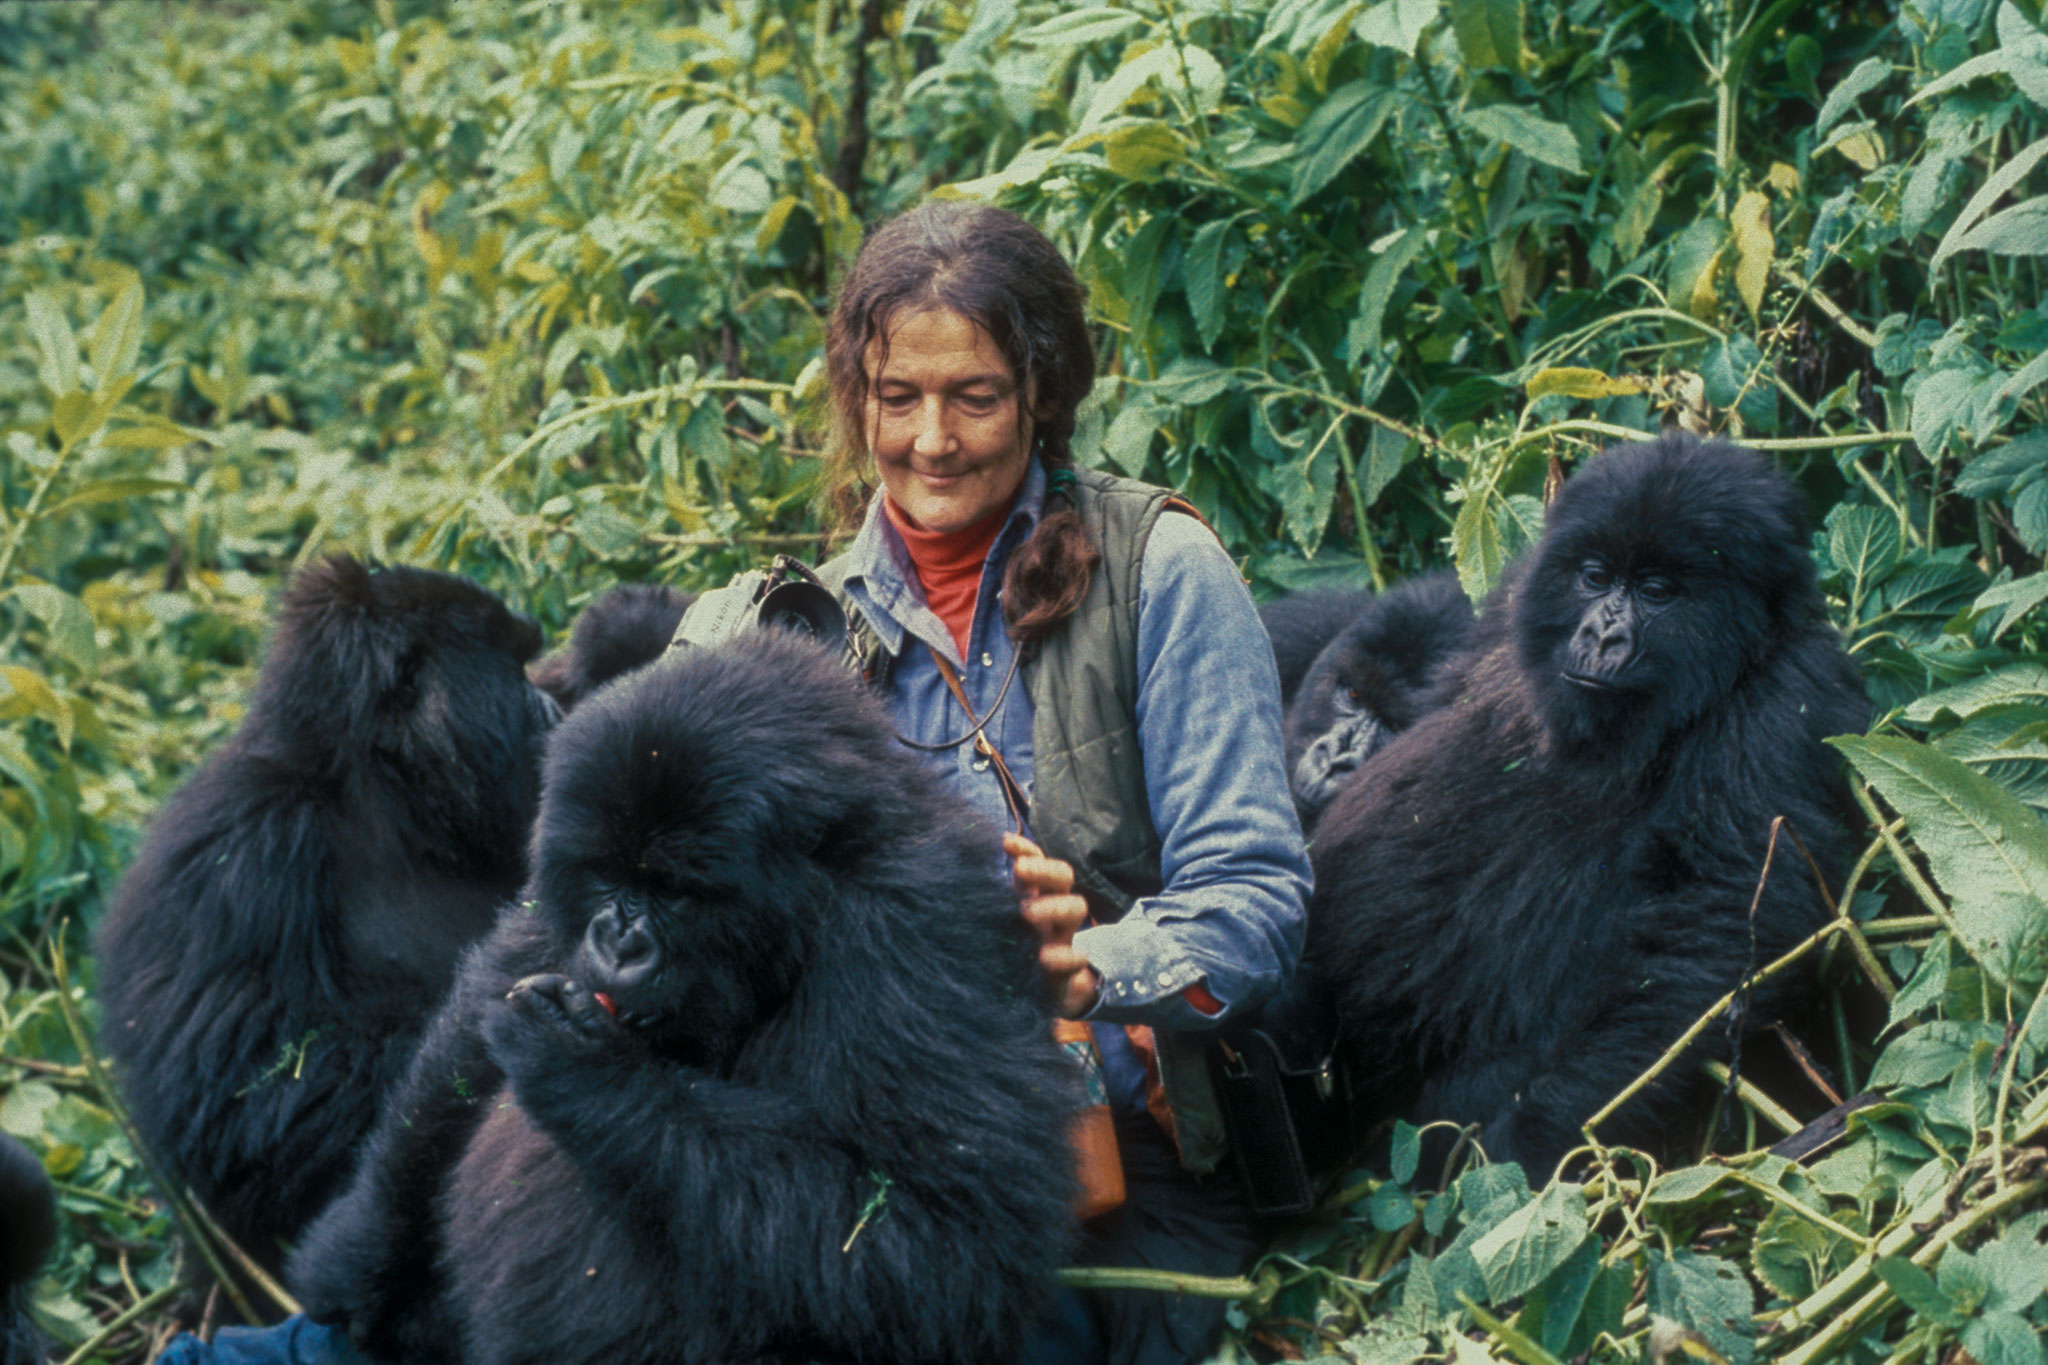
(1003, 275)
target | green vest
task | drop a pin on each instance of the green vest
(1088, 800)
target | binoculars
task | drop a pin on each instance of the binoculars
(784, 596)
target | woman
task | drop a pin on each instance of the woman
(1125, 711)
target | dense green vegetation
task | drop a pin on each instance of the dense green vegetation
(536, 292)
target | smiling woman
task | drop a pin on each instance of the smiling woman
(1087, 672)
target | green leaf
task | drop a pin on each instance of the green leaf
(2009, 746)
(2030, 516)
(1142, 275)
(1489, 33)
(1928, 982)
(2021, 230)
(1378, 290)
(2016, 1264)
(1476, 545)
(1868, 75)
(1684, 1186)
(115, 490)
(1407, 1152)
(1397, 24)
(1202, 268)
(1710, 1296)
(67, 622)
(1940, 399)
(1340, 129)
(1916, 1289)
(2025, 48)
(1142, 151)
(1536, 1239)
(56, 344)
(2021, 683)
(1749, 225)
(1988, 852)
(117, 337)
(2006, 178)
(1392, 1208)
(2000, 1339)
(1081, 26)
(1864, 543)
(1580, 383)
(1996, 472)
(1129, 441)
(2011, 601)
(1535, 137)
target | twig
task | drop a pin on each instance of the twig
(2012, 1055)
(1165, 1281)
(766, 540)
(75, 1073)
(1752, 1095)
(264, 1280)
(1907, 867)
(119, 1321)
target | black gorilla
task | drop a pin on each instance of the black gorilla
(1374, 680)
(760, 1073)
(618, 632)
(1548, 879)
(1300, 624)
(298, 908)
(28, 1225)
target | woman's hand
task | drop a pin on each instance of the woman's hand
(1046, 886)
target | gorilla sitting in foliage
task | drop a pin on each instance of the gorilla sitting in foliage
(1549, 878)
(28, 1225)
(1372, 681)
(298, 908)
(618, 632)
(760, 1071)
(1301, 624)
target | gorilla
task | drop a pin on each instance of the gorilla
(758, 1070)
(298, 907)
(1549, 877)
(28, 1227)
(1372, 681)
(1299, 625)
(622, 629)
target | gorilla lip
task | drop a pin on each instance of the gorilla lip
(609, 1005)
(1590, 683)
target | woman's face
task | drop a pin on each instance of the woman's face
(944, 421)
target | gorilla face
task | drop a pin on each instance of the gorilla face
(1370, 683)
(1657, 585)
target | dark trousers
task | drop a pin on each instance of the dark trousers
(1169, 1220)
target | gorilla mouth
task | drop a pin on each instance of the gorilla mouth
(1588, 682)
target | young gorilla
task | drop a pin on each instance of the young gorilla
(28, 1225)
(762, 1073)
(619, 631)
(1300, 624)
(1371, 682)
(1549, 878)
(298, 908)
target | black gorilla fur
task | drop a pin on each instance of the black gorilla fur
(28, 1225)
(300, 904)
(619, 631)
(1374, 680)
(827, 1120)
(1301, 624)
(1547, 880)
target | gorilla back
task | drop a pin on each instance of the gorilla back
(298, 907)
(1548, 879)
(762, 1075)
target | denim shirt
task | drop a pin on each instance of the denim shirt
(1230, 915)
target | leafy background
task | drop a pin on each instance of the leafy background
(535, 293)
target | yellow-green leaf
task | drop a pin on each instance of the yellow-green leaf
(1143, 151)
(117, 337)
(1576, 382)
(1750, 225)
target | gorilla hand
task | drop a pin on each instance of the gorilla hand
(550, 1031)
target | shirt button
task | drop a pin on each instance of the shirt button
(988, 660)
(1122, 987)
(1166, 978)
(980, 765)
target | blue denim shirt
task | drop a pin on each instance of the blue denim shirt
(1236, 874)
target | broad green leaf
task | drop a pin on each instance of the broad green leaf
(2026, 49)
(2016, 1264)
(66, 620)
(1080, 26)
(1391, 1208)
(1385, 452)
(1476, 545)
(1684, 1186)
(1708, 1295)
(1339, 131)
(1994, 473)
(2011, 602)
(1927, 984)
(2009, 746)
(1580, 383)
(2021, 683)
(1940, 399)
(117, 337)
(56, 344)
(1988, 852)
(1749, 225)
(1407, 1152)
(1129, 440)
(1489, 33)
(1868, 75)
(1864, 543)
(2021, 230)
(1532, 135)
(1378, 289)
(2001, 1338)
(1397, 24)
(115, 490)
(1978, 67)
(1202, 268)
(2006, 178)
(1917, 1290)
(1143, 151)
(1536, 1239)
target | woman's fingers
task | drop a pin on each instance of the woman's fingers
(1056, 918)
(1037, 876)
(1017, 846)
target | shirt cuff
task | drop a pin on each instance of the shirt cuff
(1146, 978)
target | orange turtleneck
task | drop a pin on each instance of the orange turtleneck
(948, 564)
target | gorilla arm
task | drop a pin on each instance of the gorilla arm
(370, 1257)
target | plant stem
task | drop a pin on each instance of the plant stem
(1165, 1281)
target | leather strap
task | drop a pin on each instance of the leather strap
(1013, 793)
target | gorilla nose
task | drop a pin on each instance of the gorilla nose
(622, 948)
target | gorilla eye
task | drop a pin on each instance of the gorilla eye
(1656, 591)
(1596, 576)
(1355, 695)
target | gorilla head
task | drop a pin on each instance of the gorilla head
(1666, 571)
(618, 632)
(1370, 683)
(28, 1225)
